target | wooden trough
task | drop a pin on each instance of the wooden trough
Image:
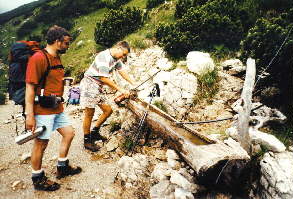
(199, 151)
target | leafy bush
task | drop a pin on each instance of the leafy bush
(114, 4)
(3, 85)
(276, 5)
(26, 28)
(183, 5)
(153, 3)
(117, 24)
(201, 28)
(262, 44)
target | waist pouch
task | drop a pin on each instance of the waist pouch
(49, 101)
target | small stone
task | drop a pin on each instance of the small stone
(290, 148)
(15, 183)
(25, 157)
(6, 121)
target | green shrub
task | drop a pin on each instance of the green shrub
(153, 3)
(276, 5)
(34, 37)
(26, 28)
(183, 5)
(201, 28)
(207, 85)
(117, 24)
(2, 97)
(114, 4)
(3, 84)
(262, 44)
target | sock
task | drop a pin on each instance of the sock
(62, 162)
(37, 173)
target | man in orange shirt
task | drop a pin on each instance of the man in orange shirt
(48, 111)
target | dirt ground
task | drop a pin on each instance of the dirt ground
(95, 181)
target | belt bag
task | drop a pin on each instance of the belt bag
(51, 101)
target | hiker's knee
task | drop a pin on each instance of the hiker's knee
(40, 144)
(108, 110)
(89, 112)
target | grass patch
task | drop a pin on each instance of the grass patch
(114, 126)
(127, 144)
(160, 105)
(207, 86)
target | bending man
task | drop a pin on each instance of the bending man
(92, 90)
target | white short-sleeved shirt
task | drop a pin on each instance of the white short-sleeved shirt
(103, 65)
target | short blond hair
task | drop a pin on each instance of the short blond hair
(123, 44)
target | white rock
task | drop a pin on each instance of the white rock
(277, 175)
(161, 171)
(164, 64)
(186, 174)
(25, 157)
(183, 194)
(268, 140)
(80, 43)
(162, 76)
(199, 62)
(178, 179)
(112, 144)
(163, 190)
(232, 132)
(172, 154)
(234, 65)
(174, 164)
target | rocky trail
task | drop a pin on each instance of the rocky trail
(155, 170)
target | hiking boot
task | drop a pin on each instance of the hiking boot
(89, 143)
(42, 183)
(91, 146)
(96, 136)
(67, 170)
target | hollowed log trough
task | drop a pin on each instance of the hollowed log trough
(206, 156)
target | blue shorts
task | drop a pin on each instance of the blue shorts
(52, 122)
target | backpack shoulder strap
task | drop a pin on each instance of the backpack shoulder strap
(44, 77)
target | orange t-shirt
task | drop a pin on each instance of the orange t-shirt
(37, 66)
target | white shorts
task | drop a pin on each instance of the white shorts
(92, 94)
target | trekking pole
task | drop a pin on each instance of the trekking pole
(122, 97)
(155, 92)
(147, 79)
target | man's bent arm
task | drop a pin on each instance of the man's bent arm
(29, 106)
(110, 83)
(126, 77)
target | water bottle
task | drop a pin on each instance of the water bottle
(28, 135)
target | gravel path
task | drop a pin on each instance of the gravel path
(96, 180)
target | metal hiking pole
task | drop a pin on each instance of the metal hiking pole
(155, 92)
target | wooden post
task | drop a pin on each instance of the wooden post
(244, 113)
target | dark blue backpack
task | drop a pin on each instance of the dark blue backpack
(20, 53)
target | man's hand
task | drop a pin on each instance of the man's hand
(126, 93)
(30, 123)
